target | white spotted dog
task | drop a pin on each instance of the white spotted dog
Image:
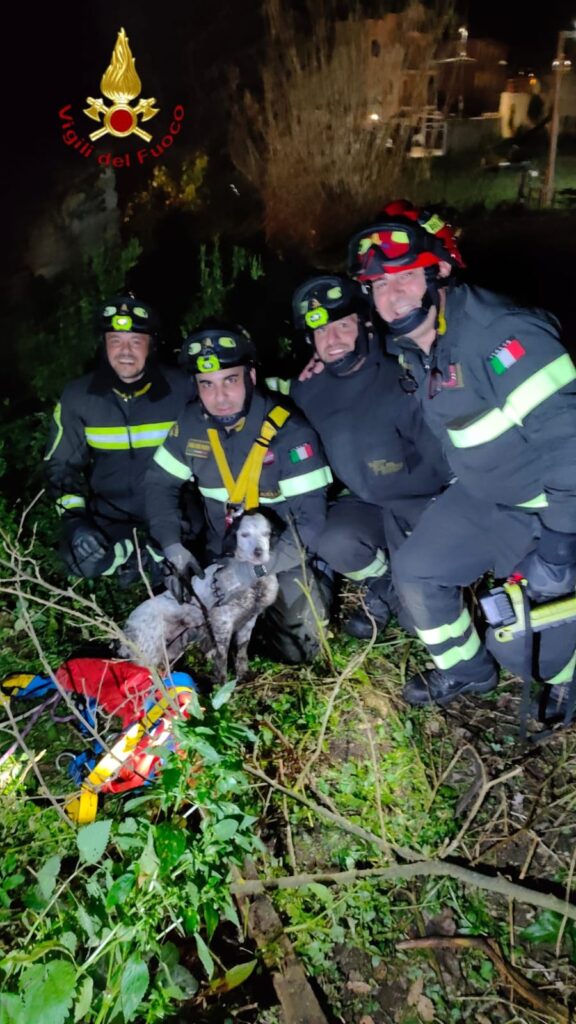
(222, 609)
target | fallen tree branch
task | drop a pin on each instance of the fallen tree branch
(544, 1004)
(337, 819)
(403, 872)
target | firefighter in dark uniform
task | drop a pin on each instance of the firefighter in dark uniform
(499, 391)
(376, 442)
(241, 449)
(102, 437)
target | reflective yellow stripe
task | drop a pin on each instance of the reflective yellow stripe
(59, 431)
(566, 674)
(122, 551)
(215, 493)
(376, 568)
(145, 435)
(457, 654)
(306, 482)
(540, 501)
(450, 631)
(523, 400)
(279, 384)
(172, 465)
(68, 501)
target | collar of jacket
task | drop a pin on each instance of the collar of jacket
(104, 380)
(251, 423)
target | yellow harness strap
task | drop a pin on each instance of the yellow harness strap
(82, 809)
(244, 490)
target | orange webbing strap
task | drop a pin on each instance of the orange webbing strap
(244, 490)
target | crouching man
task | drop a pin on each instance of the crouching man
(241, 449)
(102, 437)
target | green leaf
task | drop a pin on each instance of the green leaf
(211, 918)
(47, 876)
(185, 981)
(544, 929)
(11, 1009)
(170, 844)
(128, 827)
(49, 991)
(323, 892)
(34, 953)
(235, 976)
(148, 859)
(223, 694)
(204, 954)
(120, 890)
(226, 828)
(206, 751)
(133, 986)
(70, 941)
(89, 924)
(92, 841)
(84, 1000)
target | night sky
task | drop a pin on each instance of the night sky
(55, 55)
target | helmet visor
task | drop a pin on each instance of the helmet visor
(385, 247)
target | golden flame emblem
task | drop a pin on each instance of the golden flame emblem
(121, 84)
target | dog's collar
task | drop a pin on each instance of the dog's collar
(260, 570)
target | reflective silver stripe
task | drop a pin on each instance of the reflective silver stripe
(450, 631)
(150, 435)
(540, 501)
(306, 482)
(68, 501)
(172, 465)
(523, 400)
(456, 654)
(107, 439)
(59, 431)
(376, 568)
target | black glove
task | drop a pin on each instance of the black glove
(550, 570)
(179, 568)
(88, 544)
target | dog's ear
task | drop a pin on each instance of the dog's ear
(230, 538)
(277, 525)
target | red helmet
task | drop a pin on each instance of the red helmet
(401, 238)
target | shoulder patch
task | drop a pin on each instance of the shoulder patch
(506, 355)
(197, 448)
(301, 452)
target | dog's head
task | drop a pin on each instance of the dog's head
(250, 538)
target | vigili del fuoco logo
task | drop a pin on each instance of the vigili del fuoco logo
(121, 117)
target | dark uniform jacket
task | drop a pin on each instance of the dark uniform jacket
(102, 440)
(293, 480)
(373, 433)
(499, 390)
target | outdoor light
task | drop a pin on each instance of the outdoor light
(374, 117)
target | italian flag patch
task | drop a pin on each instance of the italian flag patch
(506, 355)
(302, 452)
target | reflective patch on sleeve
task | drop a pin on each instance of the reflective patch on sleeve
(172, 465)
(306, 482)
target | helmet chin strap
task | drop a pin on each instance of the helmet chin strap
(347, 364)
(235, 417)
(416, 317)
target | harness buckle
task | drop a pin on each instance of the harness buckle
(233, 511)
